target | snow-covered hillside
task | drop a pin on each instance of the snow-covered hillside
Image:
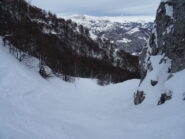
(64, 46)
(134, 29)
(34, 108)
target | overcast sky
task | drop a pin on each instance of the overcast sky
(99, 7)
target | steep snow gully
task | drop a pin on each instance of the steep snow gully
(34, 108)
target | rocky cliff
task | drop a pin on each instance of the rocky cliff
(164, 54)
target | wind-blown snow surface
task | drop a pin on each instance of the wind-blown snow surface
(34, 108)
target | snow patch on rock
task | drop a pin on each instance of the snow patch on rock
(169, 10)
(134, 30)
(124, 40)
(158, 71)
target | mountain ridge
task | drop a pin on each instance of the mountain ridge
(129, 33)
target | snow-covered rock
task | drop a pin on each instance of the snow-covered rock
(162, 61)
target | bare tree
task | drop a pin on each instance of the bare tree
(28, 7)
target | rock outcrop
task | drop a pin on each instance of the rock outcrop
(164, 54)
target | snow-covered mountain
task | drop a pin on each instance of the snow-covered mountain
(130, 33)
(35, 107)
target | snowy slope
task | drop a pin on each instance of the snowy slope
(136, 29)
(34, 108)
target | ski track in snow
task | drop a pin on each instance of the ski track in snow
(34, 108)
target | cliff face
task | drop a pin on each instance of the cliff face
(164, 54)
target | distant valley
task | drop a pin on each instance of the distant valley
(129, 33)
